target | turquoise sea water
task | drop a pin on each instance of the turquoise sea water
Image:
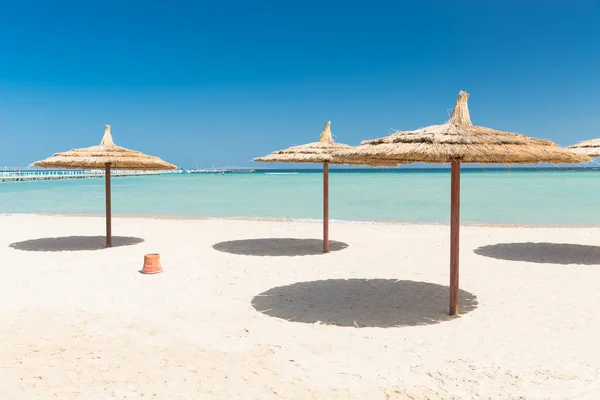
(536, 197)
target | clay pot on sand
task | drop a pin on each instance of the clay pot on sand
(151, 264)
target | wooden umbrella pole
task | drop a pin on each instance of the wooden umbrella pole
(325, 207)
(454, 235)
(108, 210)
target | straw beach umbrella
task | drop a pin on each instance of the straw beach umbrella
(589, 148)
(316, 153)
(457, 142)
(105, 156)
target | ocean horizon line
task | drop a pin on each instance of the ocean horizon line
(402, 168)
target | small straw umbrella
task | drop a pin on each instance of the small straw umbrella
(317, 153)
(589, 148)
(106, 156)
(456, 142)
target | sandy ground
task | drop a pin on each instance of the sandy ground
(275, 319)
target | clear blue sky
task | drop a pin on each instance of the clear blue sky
(220, 82)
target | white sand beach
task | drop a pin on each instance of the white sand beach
(276, 319)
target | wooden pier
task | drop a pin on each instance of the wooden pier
(22, 176)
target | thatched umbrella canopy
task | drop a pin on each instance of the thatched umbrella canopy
(589, 148)
(459, 141)
(316, 152)
(107, 152)
(105, 156)
(320, 152)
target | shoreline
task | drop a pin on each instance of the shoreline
(307, 220)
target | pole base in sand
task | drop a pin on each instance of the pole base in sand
(151, 264)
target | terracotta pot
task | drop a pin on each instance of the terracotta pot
(151, 264)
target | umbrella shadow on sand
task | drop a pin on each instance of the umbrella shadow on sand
(74, 243)
(277, 247)
(543, 253)
(382, 303)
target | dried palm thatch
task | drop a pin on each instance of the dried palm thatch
(590, 148)
(314, 153)
(459, 140)
(96, 157)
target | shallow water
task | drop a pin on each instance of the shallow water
(536, 197)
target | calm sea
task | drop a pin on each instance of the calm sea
(536, 197)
